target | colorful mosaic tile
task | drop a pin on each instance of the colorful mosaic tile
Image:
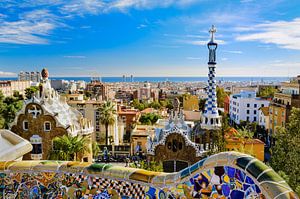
(233, 175)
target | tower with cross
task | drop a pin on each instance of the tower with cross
(210, 118)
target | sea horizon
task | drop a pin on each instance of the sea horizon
(168, 78)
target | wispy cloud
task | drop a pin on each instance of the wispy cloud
(233, 51)
(75, 56)
(124, 5)
(30, 28)
(285, 34)
(82, 7)
(3, 73)
(201, 42)
(224, 59)
(37, 19)
(141, 26)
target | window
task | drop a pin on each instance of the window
(47, 126)
(254, 119)
(262, 105)
(247, 119)
(25, 125)
(254, 111)
(248, 105)
(37, 148)
(248, 111)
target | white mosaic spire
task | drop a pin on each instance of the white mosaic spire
(210, 116)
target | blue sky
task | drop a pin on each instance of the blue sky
(149, 37)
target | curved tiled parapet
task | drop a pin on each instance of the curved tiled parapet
(225, 175)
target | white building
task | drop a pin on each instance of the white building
(9, 87)
(29, 76)
(264, 118)
(244, 106)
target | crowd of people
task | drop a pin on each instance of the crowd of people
(135, 159)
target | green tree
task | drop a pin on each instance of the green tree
(221, 94)
(139, 105)
(9, 106)
(107, 116)
(68, 147)
(285, 154)
(30, 91)
(156, 105)
(202, 104)
(219, 142)
(149, 118)
(267, 92)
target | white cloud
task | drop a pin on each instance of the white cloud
(202, 42)
(141, 26)
(29, 28)
(285, 34)
(148, 4)
(34, 22)
(81, 7)
(75, 56)
(233, 51)
(2, 73)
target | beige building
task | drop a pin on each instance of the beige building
(89, 109)
(283, 102)
(46, 116)
(9, 87)
(237, 89)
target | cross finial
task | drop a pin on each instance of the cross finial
(212, 31)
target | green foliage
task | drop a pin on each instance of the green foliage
(96, 149)
(285, 154)
(68, 147)
(169, 104)
(139, 105)
(155, 104)
(150, 166)
(247, 126)
(149, 118)
(219, 144)
(9, 106)
(30, 91)
(107, 116)
(221, 94)
(245, 133)
(267, 92)
(202, 104)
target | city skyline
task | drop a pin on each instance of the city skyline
(149, 38)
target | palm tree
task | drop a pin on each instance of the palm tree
(96, 149)
(79, 146)
(68, 147)
(61, 146)
(107, 116)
